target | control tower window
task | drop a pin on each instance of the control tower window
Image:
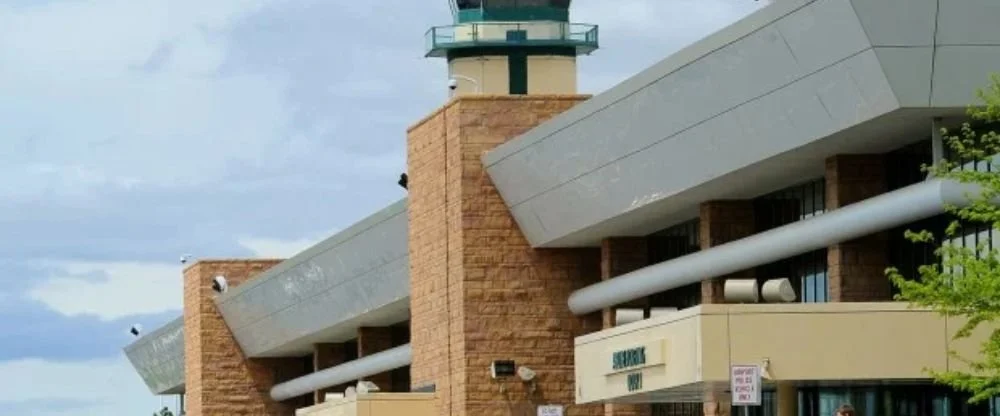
(475, 4)
(468, 4)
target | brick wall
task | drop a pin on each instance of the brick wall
(373, 340)
(721, 222)
(619, 256)
(219, 379)
(328, 355)
(479, 292)
(856, 268)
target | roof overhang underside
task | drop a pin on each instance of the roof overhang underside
(358, 277)
(750, 109)
(688, 354)
(158, 357)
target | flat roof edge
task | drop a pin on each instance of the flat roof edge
(676, 61)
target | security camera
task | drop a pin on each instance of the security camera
(219, 284)
(452, 84)
(526, 374)
(135, 330)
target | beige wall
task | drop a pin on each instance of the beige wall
(490, 71)
(800, 342)
(551, 75)
(377, 404)
(546, 75)
(497, 32)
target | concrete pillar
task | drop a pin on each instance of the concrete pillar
(220, 380)
(372, 340)
(721, 222)
(856, 269)
(621, 255)
(479, 291)
(788, 399)
(328, 355)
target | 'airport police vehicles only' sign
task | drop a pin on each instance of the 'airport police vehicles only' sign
(745, 385)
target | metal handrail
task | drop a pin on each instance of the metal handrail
(573, 33)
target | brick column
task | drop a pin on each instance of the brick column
(327, 355)
(219, 379)
(856, 269)
(619, 256)
(721, 222)
(478, 291)
(372, 340)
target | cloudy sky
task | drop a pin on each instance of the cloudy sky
(132, 131)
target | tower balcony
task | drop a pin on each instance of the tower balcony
(581, 36)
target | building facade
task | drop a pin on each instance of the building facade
(573, 253)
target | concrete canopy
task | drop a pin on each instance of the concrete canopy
(158, 357)
(358, 277)
(750, 109)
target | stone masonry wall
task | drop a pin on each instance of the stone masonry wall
(479, 292)
(219, 379)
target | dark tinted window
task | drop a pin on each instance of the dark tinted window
(475, 4)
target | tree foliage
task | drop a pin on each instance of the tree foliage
(965, 281)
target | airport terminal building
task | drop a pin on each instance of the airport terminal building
(566, 254)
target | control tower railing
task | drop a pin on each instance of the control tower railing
(581, 36)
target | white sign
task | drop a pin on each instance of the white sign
(550, 410)
(745, 384)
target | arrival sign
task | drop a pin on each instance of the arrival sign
(745, 385)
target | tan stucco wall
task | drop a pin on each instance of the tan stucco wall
(490, 71)
(551, 75)
(800, 342)
(546, 75)
(377, 404)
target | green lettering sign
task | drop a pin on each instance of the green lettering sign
(634, 382)
(628, 358)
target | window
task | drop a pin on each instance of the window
(899, 400)
(677, 241)
(806, 271)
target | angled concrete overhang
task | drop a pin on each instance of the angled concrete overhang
(358, 277)
(750, 109)
(686, 355)
(158, 357)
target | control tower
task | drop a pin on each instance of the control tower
(512, 46)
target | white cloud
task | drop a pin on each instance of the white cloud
(81, 64)
(89, 388)
(111, 290)
(277, 248)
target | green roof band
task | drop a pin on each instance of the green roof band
(513, 14)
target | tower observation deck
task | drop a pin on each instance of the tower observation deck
(512, 46)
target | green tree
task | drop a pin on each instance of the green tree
(965, 281)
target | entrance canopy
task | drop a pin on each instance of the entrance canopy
(686, 356)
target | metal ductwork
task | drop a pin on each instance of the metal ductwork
(857, 220)
(350, 371)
